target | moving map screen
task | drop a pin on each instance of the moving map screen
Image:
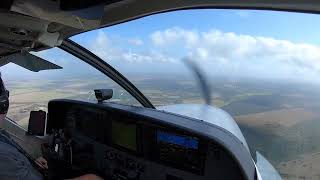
(183, 141)
(124, 135)
(179, 151)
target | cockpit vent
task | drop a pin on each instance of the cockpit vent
(19, 31)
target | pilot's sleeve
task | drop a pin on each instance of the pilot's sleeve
(15, 166)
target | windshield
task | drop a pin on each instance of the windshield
(262, 67)
(31, 91)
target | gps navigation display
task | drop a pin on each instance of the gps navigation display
(179, 150)
(183, 141)
(124, 135)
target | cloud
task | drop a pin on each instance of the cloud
(243, 13)
(147, 57)
(217, 51)
(217, 46)
(105, 48)
(162, 38)
(135, 41)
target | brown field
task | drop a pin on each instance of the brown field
(37, 96)
(193, 101)
(306, 167)
(282, 117)
(302, 165)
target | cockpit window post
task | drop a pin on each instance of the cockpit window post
(96, 62)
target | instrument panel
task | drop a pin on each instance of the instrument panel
(123, 145)
(155, 142)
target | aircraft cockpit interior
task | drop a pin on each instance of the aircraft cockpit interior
(131, 143)
(204, 87)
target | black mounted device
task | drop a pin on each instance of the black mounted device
(37, 122)
(4, 98)
(103, 94)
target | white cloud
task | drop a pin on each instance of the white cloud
(102, 46)
(162, 38)
(218, 46)
(135, 41)
(243, 13)
(147, 57)
(105, 48)
(217, 52)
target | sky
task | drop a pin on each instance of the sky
(246, 43)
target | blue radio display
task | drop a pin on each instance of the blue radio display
(183, 141)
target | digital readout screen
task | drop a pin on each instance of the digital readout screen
(183, 141)
(124, 135)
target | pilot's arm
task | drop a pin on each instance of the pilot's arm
(44, 164)
(14, 165)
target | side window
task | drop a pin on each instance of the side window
(77, 80)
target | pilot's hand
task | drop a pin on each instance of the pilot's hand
(88, 177)
(42, 162)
